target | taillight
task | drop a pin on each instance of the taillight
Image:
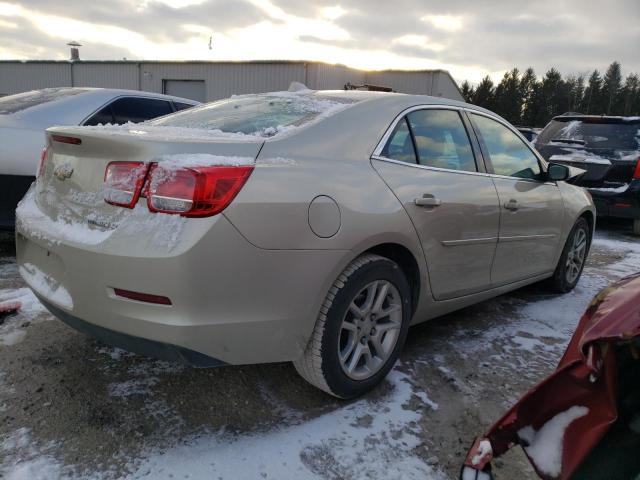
(123, 183)
(43, 160)
(636, 174)
(194, 192)
(66, 139)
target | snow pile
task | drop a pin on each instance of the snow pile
(157, 230)
(13, 328)
(581, 156)
(545, 445)
(46, 285)
(330, 443)
(176, 161)
(22, 461)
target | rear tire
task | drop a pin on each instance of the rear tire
(636, 227)
(573, 258)
(360, 330)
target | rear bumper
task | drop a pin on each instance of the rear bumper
(141, 346)
(13, 188)
(624, 204)
(231, 301)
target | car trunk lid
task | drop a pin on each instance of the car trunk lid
(71, 185)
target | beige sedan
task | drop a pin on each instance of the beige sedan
(312, 227)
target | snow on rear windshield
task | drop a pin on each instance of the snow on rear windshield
(263, 115)
(618, 136)
(22, 101)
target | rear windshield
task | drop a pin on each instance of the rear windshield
(22, 101)
(619, 136)
(264, 115)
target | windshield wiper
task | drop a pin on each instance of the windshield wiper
(568, 140)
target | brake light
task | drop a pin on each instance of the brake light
(43, 160)
(66, 139)
(194, 192)
(123, 183)
(636, 174)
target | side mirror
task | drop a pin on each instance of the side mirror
(557, 172)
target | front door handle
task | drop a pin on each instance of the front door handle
(427, 201)
(511, 205)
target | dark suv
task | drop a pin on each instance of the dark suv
(608, 148)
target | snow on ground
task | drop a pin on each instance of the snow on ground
(373, 437)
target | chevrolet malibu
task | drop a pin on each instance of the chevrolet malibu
(311, 226)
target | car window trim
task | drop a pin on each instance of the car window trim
(542, 163)
(113, 99)
(377, 152)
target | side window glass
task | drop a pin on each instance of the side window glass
(102, 117)
(508, 154)
(139, 109)
(182, 106)
(441, 140)
(400, 146)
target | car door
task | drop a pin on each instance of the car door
(532, 209)
(430, 164)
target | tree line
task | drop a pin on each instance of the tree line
(524, 99)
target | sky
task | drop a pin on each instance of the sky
(470, 39)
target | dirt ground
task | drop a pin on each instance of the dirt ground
(73, 408)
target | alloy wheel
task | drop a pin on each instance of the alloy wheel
(370, 329)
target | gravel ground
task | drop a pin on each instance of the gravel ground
(73, 408)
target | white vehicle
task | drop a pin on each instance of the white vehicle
(24, 118)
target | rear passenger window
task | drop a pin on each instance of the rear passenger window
(139, 109)
(400, 145)
(103, 117)
(182, 106)
(508, 153)
(441, 140)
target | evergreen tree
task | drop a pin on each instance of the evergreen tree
(593, 99)
(630, 95)
(508, 100)
(467, 91)
(528, 90)
(556, 96)
(484, 94)
(575, 86)
(611, 88)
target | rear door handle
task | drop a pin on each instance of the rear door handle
(427, 201)
(511, 205)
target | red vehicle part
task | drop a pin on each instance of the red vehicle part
(9, 307)
(586, 376)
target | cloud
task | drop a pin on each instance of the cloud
(469, 39)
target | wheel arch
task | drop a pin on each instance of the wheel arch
(407, 262)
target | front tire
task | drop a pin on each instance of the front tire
(573, 258)
(360, 330)
(636, 227)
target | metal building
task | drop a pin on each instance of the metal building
(207, 81)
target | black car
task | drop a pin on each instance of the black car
(608, 149)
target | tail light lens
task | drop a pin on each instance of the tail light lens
(123, 183)
(43, 161)
(636, 174)
(194, 192)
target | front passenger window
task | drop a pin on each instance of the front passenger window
(509, 155)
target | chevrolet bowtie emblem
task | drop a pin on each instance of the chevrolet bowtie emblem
(62, 172)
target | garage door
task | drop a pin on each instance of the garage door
(193, 89)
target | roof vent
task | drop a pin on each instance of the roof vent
(75, 52)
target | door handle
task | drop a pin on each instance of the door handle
(427, 201)
(511, 205)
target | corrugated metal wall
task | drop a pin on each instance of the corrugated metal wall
(222, 79)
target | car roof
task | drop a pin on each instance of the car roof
(596, 118)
